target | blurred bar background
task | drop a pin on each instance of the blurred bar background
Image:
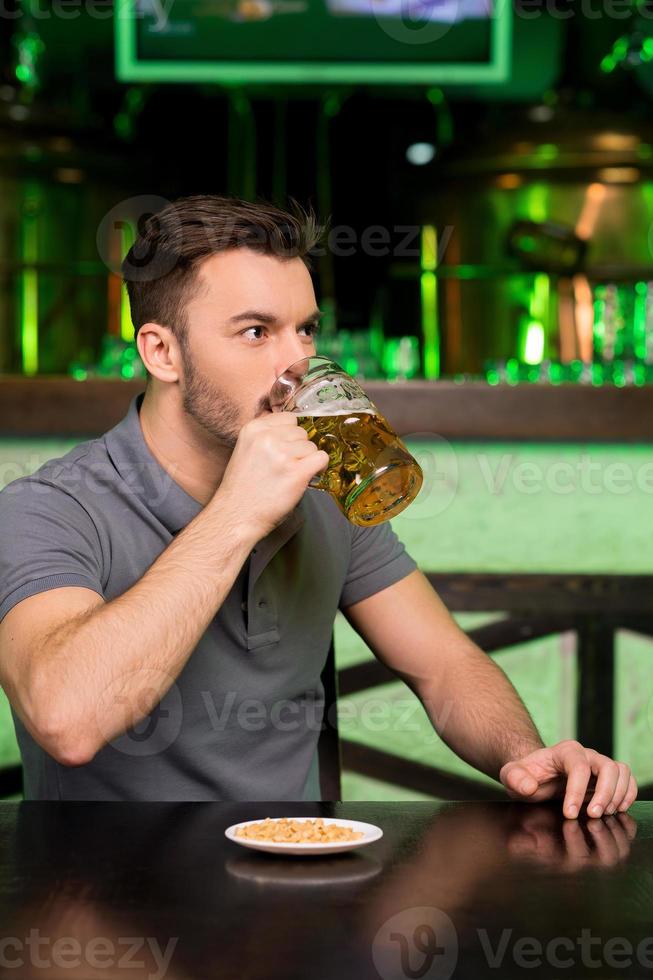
(487, 168)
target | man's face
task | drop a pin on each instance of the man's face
(253, 316)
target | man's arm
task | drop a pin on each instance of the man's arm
(89, 677)
(85, 675)
(470, 701)
(475, 708)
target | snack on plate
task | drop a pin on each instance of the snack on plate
(284, 831)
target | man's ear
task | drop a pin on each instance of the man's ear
(159, 351)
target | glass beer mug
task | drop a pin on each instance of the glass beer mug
(371, 475)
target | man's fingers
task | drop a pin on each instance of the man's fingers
(578, 776)
(578, 850)
(606, 846)
(620, 838)
(607, 775)
(518, 779)
(629, 825)
(620, 790)
(630, 797)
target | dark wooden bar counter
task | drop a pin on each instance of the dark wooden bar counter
(61, 406)
(464, 890)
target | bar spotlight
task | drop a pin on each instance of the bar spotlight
(419, 154)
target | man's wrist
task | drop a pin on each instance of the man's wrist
(519, 749)
(232, 517)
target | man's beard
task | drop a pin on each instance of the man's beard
(208, 406)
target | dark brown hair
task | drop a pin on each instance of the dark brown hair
(160, 269)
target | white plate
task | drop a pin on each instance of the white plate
(370, 834)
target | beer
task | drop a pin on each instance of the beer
(371, 475)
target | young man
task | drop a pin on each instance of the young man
(168, 591)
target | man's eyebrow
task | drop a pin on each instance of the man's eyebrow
(270, 318)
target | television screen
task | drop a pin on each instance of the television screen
(303, 41)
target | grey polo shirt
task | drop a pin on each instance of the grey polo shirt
(242, 720)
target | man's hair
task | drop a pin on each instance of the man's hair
(161, 268)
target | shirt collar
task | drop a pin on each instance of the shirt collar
(164, 498)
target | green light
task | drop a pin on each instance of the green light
(127, 371)
(29, 287)
(492, 377)
(620, 48)
(526, 243)
(534, 343)
(608, 64)
(429, 256)
(130, 68)
(126, 325)
(467, 271)
(512, 371)
(547, 151)
(29, 326)
(23, 73)
(599, 319)
(555, 373)
(597, 374)
(429, 301)
(79, 374)
(539, 302)
(430, 331)
(537, 202)
(639, 320)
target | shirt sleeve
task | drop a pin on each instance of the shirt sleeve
(47, 540)
(378, 559)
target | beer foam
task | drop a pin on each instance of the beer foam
(337, 408)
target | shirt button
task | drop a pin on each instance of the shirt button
(262, 603)
(243, 606)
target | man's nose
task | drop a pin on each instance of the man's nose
(290, 352)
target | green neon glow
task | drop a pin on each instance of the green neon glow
(537, 202)
(130, 69)
(555, 373)
(429, 301)
(429, 292)
(539, 302)
(532, 334)
(533, 343)
(512, 371)
(547, 151)
(639, 320)
(599, 320)
(351, 365)
(126, 325)
(29, 286)
(429, 258)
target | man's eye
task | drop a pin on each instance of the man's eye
(249, 329)
(313, 328)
